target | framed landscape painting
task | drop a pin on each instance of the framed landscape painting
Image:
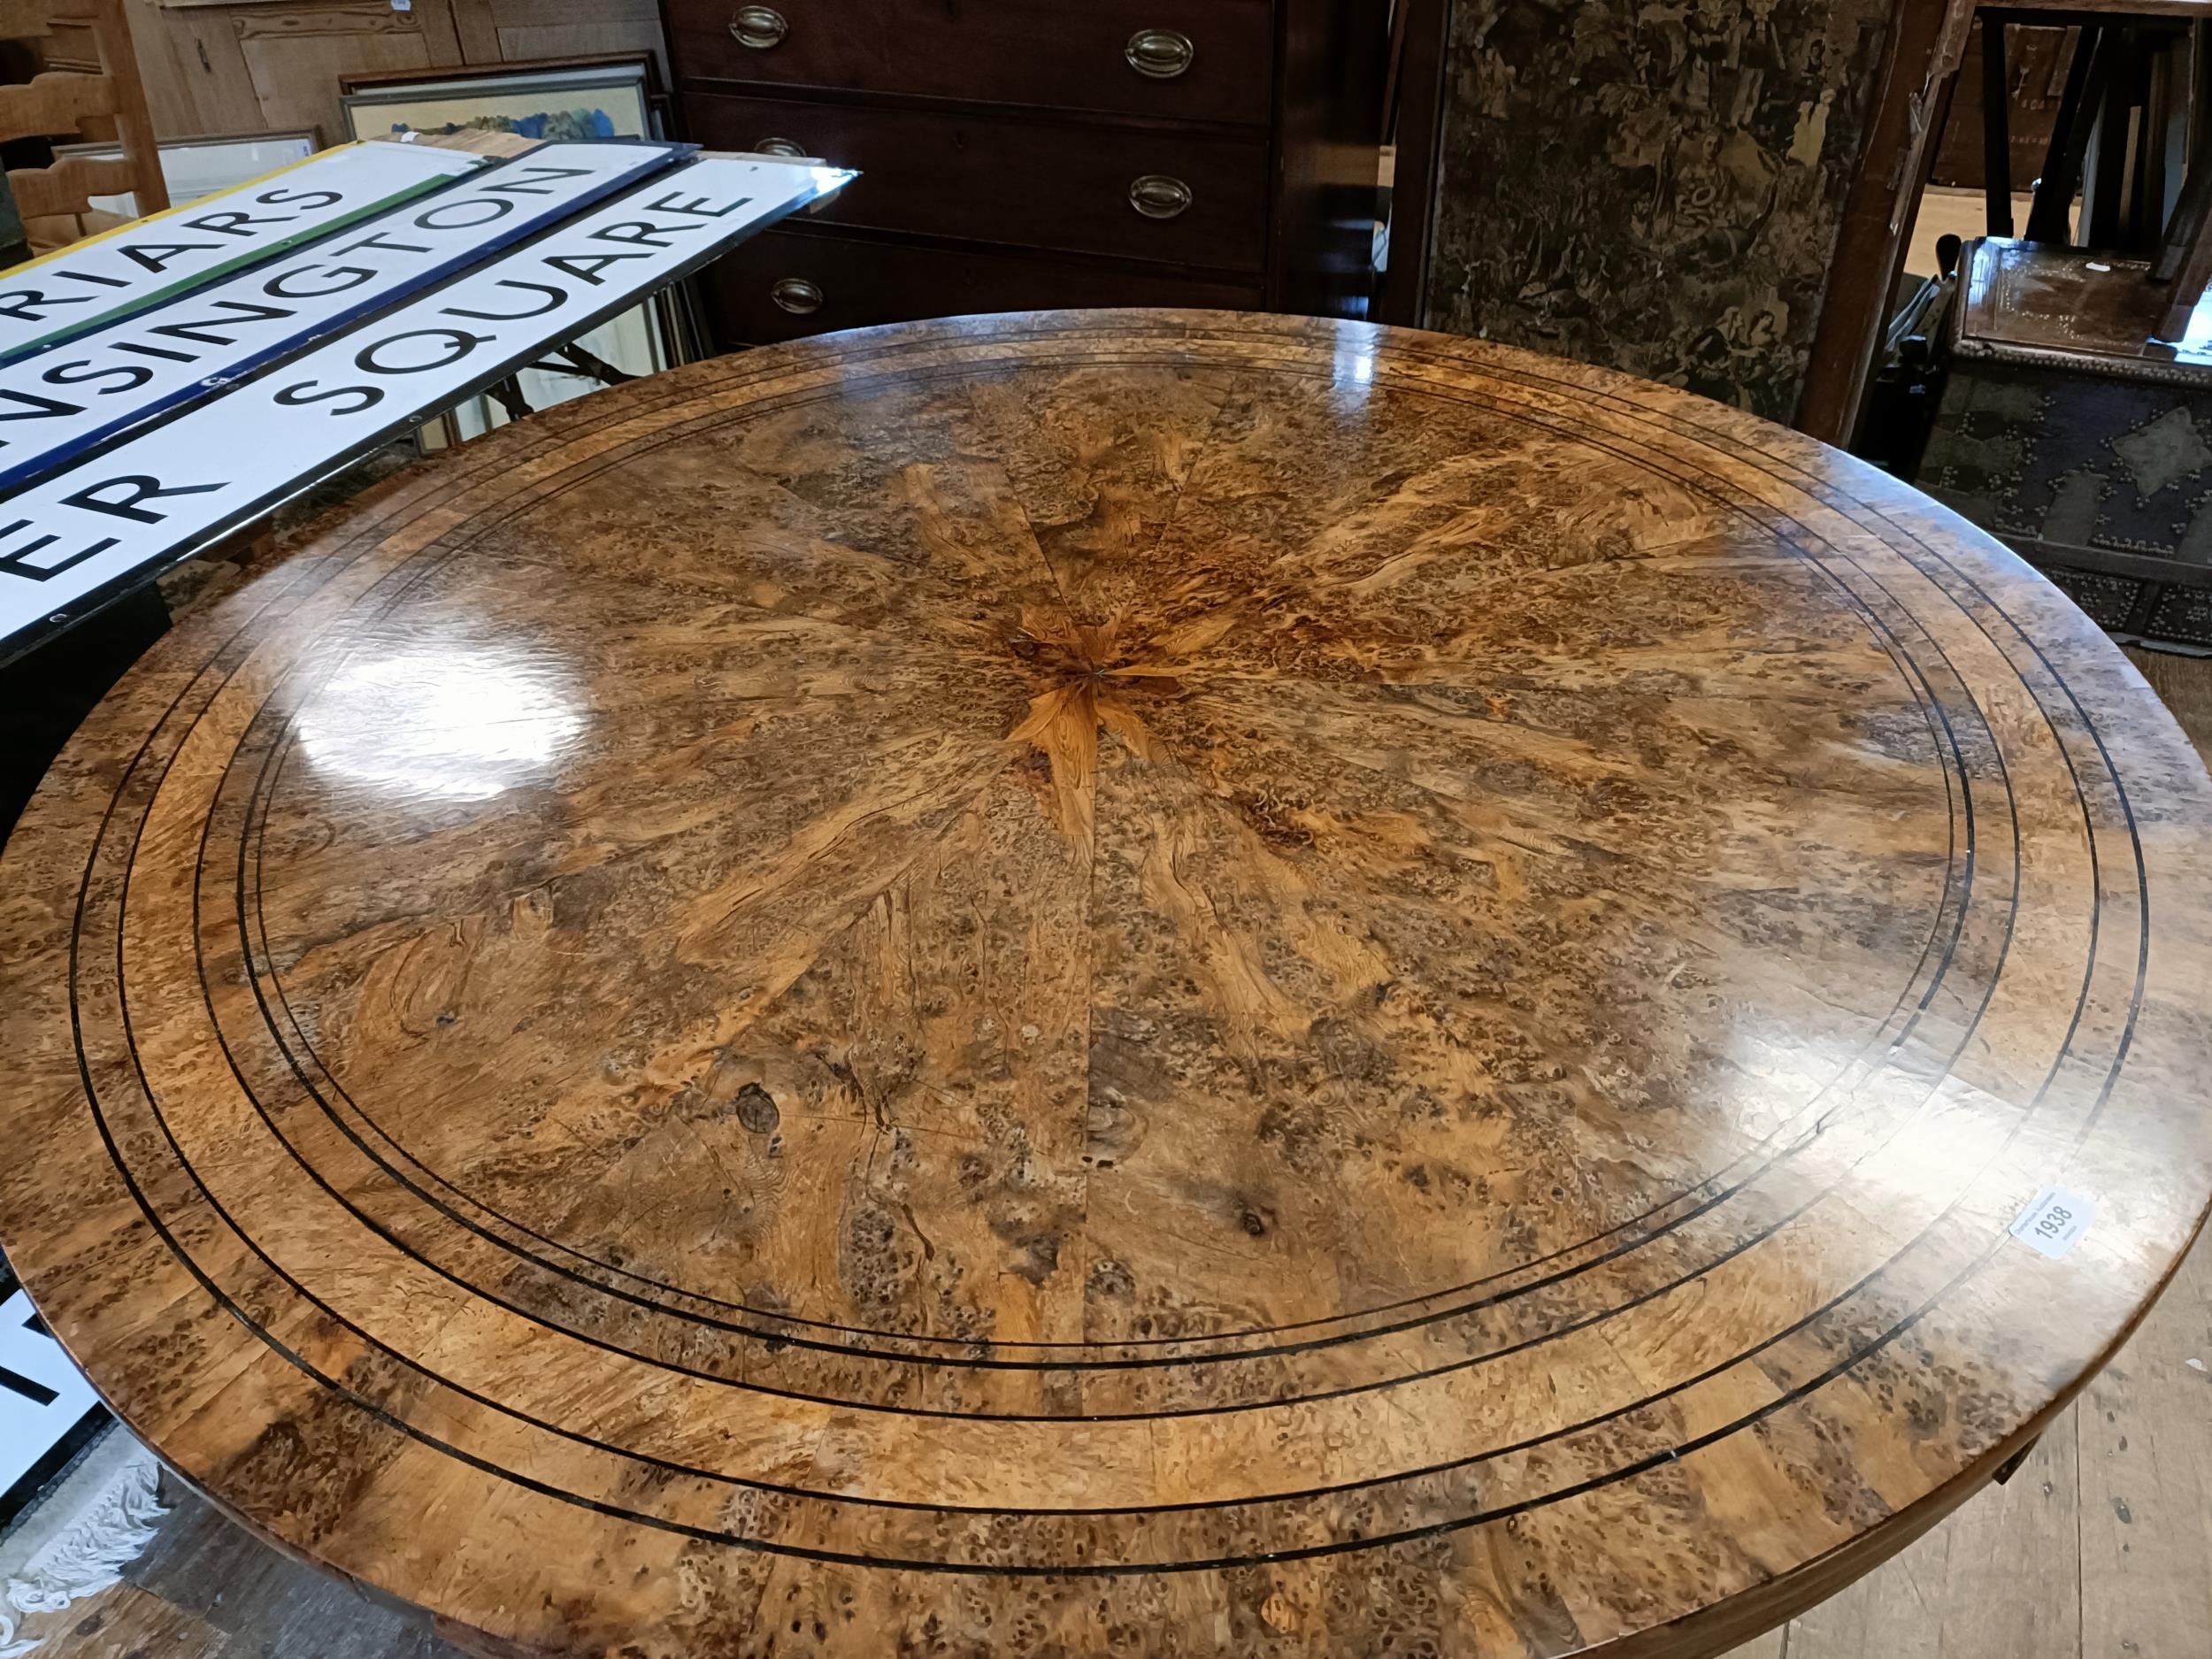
(616, 95)
(587, 97)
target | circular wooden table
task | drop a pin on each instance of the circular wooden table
(1141, 983)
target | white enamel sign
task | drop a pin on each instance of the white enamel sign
(42, 1394)
(57, 402)
(140, 263)
(71, 540)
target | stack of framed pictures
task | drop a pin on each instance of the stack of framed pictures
(610, 96)
(613, 95)
(194, 167)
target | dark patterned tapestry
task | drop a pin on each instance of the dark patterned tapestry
(2103, 483)
(1655, 185)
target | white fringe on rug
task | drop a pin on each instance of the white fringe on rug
(101, 1528)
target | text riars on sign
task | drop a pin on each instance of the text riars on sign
(94, 281)
(72, 540)
(57, 403)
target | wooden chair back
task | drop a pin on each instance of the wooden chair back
(104, 101)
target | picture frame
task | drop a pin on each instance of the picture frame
(607, 94)
(202, 163)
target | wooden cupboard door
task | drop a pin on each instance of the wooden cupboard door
(295, 55)
(195, 73)
(522, 31)
(228, 68)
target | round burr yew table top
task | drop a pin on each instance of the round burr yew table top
(1142, 983)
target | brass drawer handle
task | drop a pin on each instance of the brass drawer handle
(758, 27)
(1155, 195)
(776, 147)
(797, 296)
(1159, 54)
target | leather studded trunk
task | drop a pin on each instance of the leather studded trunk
(2064, 428)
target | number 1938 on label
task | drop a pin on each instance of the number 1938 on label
(2053, 1222)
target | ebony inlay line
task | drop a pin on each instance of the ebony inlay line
(983, 1363)
(779, 1338)
(1223, 1002)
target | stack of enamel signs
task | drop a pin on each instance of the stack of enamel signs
(178, 377)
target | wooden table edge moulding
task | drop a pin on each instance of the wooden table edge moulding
(1151, 982)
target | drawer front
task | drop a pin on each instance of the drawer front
(785, 284)
(989, 178)
(1203, 60)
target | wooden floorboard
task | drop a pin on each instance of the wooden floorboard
(1999, 1580)
(267, 1603)
(2144, 1433)
(125, 1622)
(2186, 683)
(2099, 1548)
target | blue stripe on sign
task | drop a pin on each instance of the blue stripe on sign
(278, 431)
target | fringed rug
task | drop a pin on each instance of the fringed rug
(94, 1521)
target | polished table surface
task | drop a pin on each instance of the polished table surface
(1139, 983)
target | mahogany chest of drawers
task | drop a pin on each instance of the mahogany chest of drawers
(1024, 154)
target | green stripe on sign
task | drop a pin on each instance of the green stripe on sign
(254, 255)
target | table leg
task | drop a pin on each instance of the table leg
(2185, 258)
(508, 393)
(2050, 219)
(2011, 1467)
(2104, 201)
(1996, 126)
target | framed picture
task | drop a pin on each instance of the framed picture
(606, 97)
(615, 95)
(194, 167)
